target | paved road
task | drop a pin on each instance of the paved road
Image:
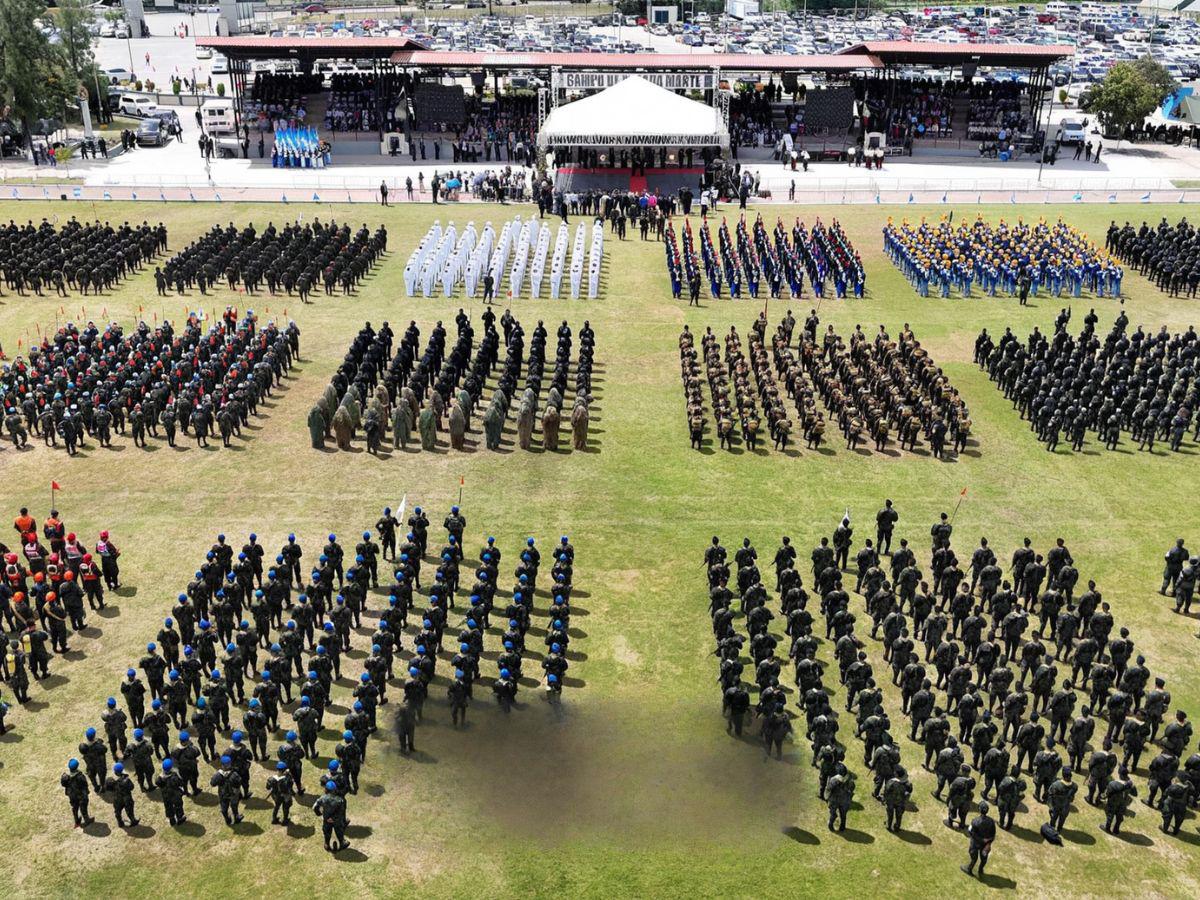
(168, 54)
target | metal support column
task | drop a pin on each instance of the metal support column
(543, 106)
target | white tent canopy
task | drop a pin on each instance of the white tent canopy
(1177, 7)
(634, 113)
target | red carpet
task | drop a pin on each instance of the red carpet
(638, 182)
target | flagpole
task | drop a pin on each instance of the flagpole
(962, 494)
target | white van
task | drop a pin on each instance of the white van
(217, 117)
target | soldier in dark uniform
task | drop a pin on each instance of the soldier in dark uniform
(839, 792)
(281, 787)
(386, 528)
(1174, 806)
(1118, 794)
(982, 833)
(1059, 797)
(95, 758)
(330, 807)
(172, 790)
(119, 789)
(1009, 795)
(885, 523)
(1175, 559)
(229, 791)
(959, 797)
(75, 786)
(141, 753)
(896, 792)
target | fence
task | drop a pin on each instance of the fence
(346, 192)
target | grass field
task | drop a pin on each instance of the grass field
(633, 788)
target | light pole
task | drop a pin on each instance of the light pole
(1045, 140)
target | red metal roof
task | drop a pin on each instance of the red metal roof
(407, 52)
(258, 47)
(730, 62)
(996, 54)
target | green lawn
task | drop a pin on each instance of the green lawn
(633, 788)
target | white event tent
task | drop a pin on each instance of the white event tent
(634, 113)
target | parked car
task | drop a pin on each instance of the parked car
(118, 75)
(220, 65)
(1071, 132)
(204, 53)
(151, 133)
(133, 105)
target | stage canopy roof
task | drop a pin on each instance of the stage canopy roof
(634, 113)
(873, 55)
(927, 53)
(240, 47)
(705, 61)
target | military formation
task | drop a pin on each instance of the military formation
(237, 686)
(873, 390)
(199, 382)
(300, 259)
(1020, 259)
(1068, 387)
(781, 260)
(91, 259)
(999, 675)
(49, 582)
(1169, 255)
(424, 393)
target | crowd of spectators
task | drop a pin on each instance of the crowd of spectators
(278, 100)
(362, 102)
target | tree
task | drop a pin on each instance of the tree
(1124, 98)
(74, 17)
(1155, 76)
(33, 81)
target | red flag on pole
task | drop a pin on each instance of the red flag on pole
(54, 486)
(964, 493)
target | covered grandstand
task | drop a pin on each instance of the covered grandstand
(917, 94)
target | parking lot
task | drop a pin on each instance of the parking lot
(1103, 34)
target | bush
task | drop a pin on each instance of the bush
(149, 85)
(1062, 95)
(220, 89)
(176, 87)
(137, 85)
